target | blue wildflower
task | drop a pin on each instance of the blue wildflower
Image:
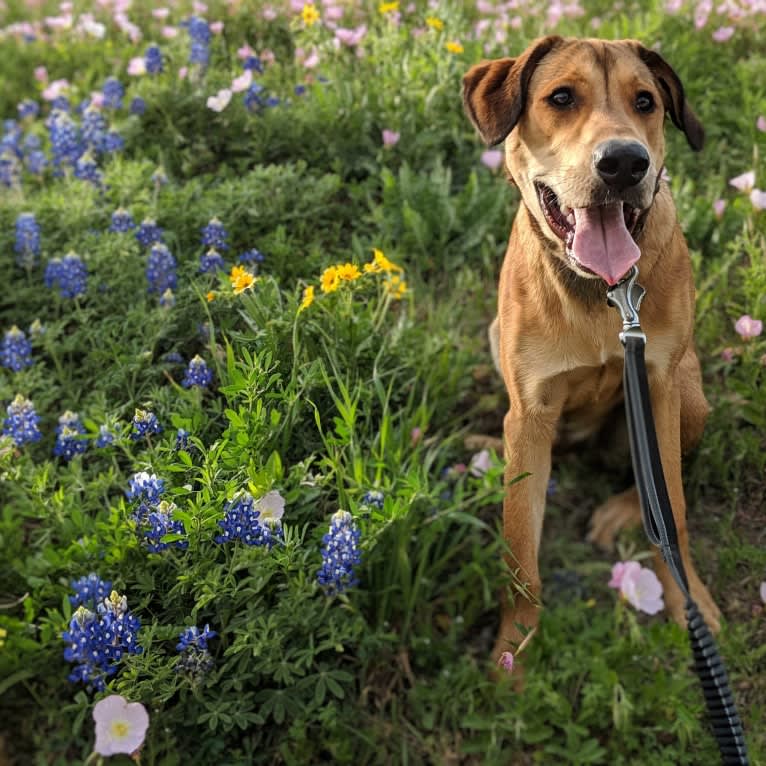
(254, 63)
(114, 92)
(340, 554)
(97, 640)
(160, 270)
(36, 162)
(61, 103)
(27, 246)
(157, 522)
(252, 97)
(105, 437)
(113, 142)
(299, 90)
(211, 261)
(199, 31)
(89, 590)
(145, 487)
(16, 350)
(28, 108)
(69, 274)
(197, 374)
(10, 170)
(159, 177)
(182, 441)
(93, 128)
(122, 221)
(65, 138)
(11, 138)
(148, 233)
(145, 424)
(374, 498)
(214, 235)
(194, 638)
(21, 421)
(195, 660)
(32, 141)
(153, 59)
(137, 106)
(272, 101)
(253, 257)
(242, 521)
(173, 357)
(86, 169)
(68, 433)
(167, 299)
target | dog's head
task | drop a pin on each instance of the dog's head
(583, 124)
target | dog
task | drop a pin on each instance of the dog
(583, 126)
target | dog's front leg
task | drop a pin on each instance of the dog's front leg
(528, 435)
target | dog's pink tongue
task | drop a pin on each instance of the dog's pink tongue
(602, 242)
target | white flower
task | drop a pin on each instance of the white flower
(220, 101)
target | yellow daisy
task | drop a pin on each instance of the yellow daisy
(241, 279)
(388, 7)
(308, 297)
(330, 279)
(396, 286)
(210, 297)
(348, 272)
(310, 14)
(453, 46)
(434, 22)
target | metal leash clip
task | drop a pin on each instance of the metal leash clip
(626, 296)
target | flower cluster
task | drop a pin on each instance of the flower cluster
(199, 32)
(122, 221)
(68, 433)
(374, 498)
(16, 350)
(112, 93)
(105, 437)
(21, 421)
(69, 274)
(255, 523)
(211, 261)
(89, 589)
(145, 424)
(638, 586)
(153, 60)
(154, 522)
(197, 374)
(182, 441)
(99, 635)
(27, 245)
(148, 233)
(145, 488)
(160, 269)
(340, 554)
(195, 660)
(214, 235)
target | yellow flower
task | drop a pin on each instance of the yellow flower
(308, 297)
(241, 279)
(310, 14)
(434, 22)
(396, 286)
(388, 7)
(330, 279)
(3, 634)
(348, 272)
(380, 264)
(453, 46)
(210, 297)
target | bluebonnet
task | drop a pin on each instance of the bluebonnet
(122, 221)
(153, 523)
(61, 103)
(68, 432)
(145, 424)
(86, 169)
(153, 59)
(113, 142)
(145, 487)
(252, 97)
(69, 274)
(173, 357)
(160, 270)
(36, 329)
(97, 640)
(182, 441)
(373, 497)
(211, 261)
(105, 437)
(148, 233)
(272, 101)
(159, 177)
(252, 256)
(21, 421)
(11, 138)
(167, 299)
(199, 31)
(254, 63)
(31, 141)
(10, 172)
(137, 106)
(214, 235)
(197, 374)
(195, 659)
(93, 128)
(28, 108)
(340, 554)
(36, 162)
(65, 138)
(27, 245)
(16, 350)
(299, 90)
(89, 590)
(113, 91)
(241, 522)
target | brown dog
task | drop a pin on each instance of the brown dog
(582, 122)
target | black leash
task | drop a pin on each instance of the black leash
(660, 526)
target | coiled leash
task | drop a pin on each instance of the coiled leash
(660, 526)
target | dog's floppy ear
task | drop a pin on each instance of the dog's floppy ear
(673, 95)
(494, 92)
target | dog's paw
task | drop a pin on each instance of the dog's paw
(619, 512)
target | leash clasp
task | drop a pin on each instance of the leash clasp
(626, 297)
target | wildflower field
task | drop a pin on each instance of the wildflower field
(249, 254)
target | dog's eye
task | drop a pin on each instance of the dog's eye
(561, 98)
(644, 102)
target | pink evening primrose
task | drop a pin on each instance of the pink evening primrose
(169, 32)
(351, 37)
(270, 507)
(744, 182)
(758, 199)
(245, 52)
(137, 66)
(220, 101)
(505, 661)
(728, 354)
(161, 13)
(747, 327)
(718, 207)
(643, 591)
(120, 725)
(41, 74)
(621, 570)
(760, 123)
(55, 89)
(243, 82)
(481, 462)
(390, 137)
(493, 158)
(722, 34)
(216, 27)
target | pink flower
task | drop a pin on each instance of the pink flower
(758, 198)
(744, 182)
(493, 158)
(351, 37)
(481, 462)
(220, 101)
(96, 98)
(183, 72)
(268, 56)
(41, 74)
(245, 52)
(161, 13)
(722, 34)
(137, 66)
(169, 32)
(763, 591)
(416, 435)
(728, 354)
(760, 123)
(271, 507)
(243, 82)
(390, 137)
(718, 207)
(199, 7)
(505, 661)
(643, 591)
(333, 12)
(747, 327)
(312, 60)
(622, 569)
(120, 725)
(216, 27)
(55, 89)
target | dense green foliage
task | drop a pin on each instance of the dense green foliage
(360, 390)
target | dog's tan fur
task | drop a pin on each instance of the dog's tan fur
(555, 340)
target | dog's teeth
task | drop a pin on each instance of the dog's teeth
(571, 218)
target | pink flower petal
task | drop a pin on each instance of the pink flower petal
(120, 725)
(505, 661)
(481, 462)
(243, 82)
(390, 137)
(722, 34)
(760, 123)
(747, 327)
(728, 354)
(137, 66)
(245, 52)
(622, 569)
(718, 207)
(41, 74)
(160, 13)
(169, 32)
(758, 198)
(744, 182)
(220, 101)
(493, 158)
(216, 27)
(643, 591)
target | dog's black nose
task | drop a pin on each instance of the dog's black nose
(621, 163)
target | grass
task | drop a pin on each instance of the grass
(363, 389)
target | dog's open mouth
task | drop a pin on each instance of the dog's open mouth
(599, 239)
